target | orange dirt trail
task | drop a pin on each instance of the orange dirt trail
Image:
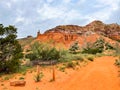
(101, 74)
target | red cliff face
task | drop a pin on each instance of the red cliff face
(67, 34)
(64, 40)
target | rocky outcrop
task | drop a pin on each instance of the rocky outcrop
(68, 34)
(108, 30)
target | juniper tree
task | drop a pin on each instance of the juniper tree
(10, 49)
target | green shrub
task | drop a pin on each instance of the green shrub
(21, 78)
(117, 62)
(62, 68)
(92, 50)
(24, 73)
(78, 57)
(73, 49)
(117, 49)
(42, 51)
(97, 47)
(6, 78)
(90, 58)
(66, 57)
(23, 69)
(77, 63)
(38, 77)
(70, 65)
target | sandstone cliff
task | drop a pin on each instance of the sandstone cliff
(67, 34)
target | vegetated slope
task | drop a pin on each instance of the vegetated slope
(26, 41)
(67, 34)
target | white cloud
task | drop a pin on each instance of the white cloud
(72, 14)
(81, 2)
(102, 14)
(14, 0)
(19, 19)
(8, 4)
(49, 12)
(112, 4)
(66, 1)
(49, 1)
(107, 8)
(30, 15)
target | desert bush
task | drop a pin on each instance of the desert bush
(67, 57)
(23, 69)
(97, 47)
(73, 48)
(117, 49)
(70, 65)
(45, 52)
(38, 77)
(6, 78)
(90, 58)
(78, 57)
(24, 73)
(21, 78)
(117, 62)
(62, 68)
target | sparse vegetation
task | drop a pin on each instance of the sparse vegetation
(97, 47)
(70, 65)
(24, 73)
(38, 77)
(21, 78)
(37, 88)
(6, 78)
(25, 41)
(62, 68)
(117, 62)
(23, 69)
(78, 57)
(42, 51)
(74, 48)
(117, 49)
(90, 58)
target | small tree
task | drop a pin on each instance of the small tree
(73, 49)
(10, 49)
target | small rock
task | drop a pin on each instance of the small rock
(17, 83)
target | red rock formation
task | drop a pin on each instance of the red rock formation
(68, 34)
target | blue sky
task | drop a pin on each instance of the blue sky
(29, 16)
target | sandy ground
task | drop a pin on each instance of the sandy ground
(101, 74)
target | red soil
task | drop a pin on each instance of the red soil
(100, 74)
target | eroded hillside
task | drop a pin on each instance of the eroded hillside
(66, 35)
